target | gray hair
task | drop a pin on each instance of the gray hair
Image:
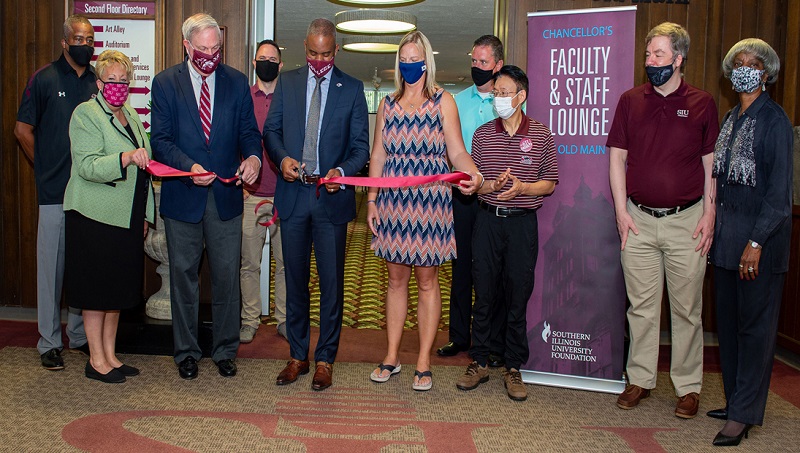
(759, 49)
(197, 23)
(69, 24)
(322, 27)
(678, 38)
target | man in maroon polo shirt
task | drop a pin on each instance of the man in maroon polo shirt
(661, 152)
(267, 64)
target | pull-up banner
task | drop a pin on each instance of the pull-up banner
(579, 63)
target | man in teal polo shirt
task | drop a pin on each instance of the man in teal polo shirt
(474, 109)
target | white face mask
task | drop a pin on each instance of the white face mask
(503, 106)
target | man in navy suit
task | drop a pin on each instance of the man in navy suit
(317, 126)
(203, 122)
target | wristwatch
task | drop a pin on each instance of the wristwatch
(755, 244)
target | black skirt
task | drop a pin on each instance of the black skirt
(104, 264)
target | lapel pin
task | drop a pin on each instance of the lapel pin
(339, 85)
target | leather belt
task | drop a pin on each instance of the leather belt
(309, 180)
(500, 211)
(663, 212)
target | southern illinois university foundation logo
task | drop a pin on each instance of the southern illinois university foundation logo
(546, 332)
(339, 420)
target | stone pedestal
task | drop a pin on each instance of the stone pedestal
(155, 245)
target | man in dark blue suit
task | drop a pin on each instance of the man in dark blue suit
(203, 122)
(317, 126)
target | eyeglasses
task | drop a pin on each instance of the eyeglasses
(503, 94)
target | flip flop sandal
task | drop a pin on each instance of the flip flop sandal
(377, 377)
(422, 387)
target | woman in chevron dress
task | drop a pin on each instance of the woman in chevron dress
(417, 130)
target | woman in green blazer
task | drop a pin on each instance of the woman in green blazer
(107, 204)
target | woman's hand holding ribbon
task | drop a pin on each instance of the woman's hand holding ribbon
(138, 157)
(470, 186)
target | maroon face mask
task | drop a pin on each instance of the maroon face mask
(205, 62)
(115, 93)
(320, 67)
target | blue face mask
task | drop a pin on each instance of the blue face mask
(412, 72)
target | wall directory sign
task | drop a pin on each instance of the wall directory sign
(130, 28)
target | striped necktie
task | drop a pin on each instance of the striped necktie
(205, 109)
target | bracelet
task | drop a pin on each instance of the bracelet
(483, 180)
(370, 201)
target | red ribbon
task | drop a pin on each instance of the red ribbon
(165, 171)
(274, 213)
(396, 181)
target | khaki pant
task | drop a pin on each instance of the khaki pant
(665, 246)
(253, 237)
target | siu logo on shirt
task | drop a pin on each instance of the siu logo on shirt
(683, 113)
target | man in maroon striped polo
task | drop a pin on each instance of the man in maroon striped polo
(517, 157)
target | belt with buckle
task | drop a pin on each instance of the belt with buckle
(500, 211)
(663, 212)
(309, 180)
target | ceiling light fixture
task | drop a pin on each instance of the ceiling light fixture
(377, 2)
(375, 21)
(371, 44)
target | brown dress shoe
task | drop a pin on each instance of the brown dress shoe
(631, 396)
(687, 405)
(323, 377)
(293, 369)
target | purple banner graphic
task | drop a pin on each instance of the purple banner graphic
(579, 63)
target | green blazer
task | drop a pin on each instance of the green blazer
(99, 187)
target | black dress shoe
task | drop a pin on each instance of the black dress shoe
(721, 414)
(112, 377)
(496, 361)
(127, 370)
(52, 360)
(451, 349)
(187, 369)
(722, 440)
(226, 367)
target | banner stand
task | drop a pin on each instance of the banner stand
(580, 62)
(573, 382)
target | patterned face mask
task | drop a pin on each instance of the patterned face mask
(115, 93)
(746, 79)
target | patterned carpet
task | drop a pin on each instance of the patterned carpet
(43, 411)
(365, 281)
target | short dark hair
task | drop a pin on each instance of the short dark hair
(494, 43)
(271, 43)
(514, 73)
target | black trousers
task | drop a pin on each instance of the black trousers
(465, 210)
(504, 251)
(747, 324)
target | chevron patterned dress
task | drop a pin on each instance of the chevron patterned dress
(416, 225)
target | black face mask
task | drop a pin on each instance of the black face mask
(267, 70)
(82, 54)
(659, 75)
(481, 76)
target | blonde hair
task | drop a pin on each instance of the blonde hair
(424, 46)
(111, 57)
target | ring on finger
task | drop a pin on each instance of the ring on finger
(750, 269)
